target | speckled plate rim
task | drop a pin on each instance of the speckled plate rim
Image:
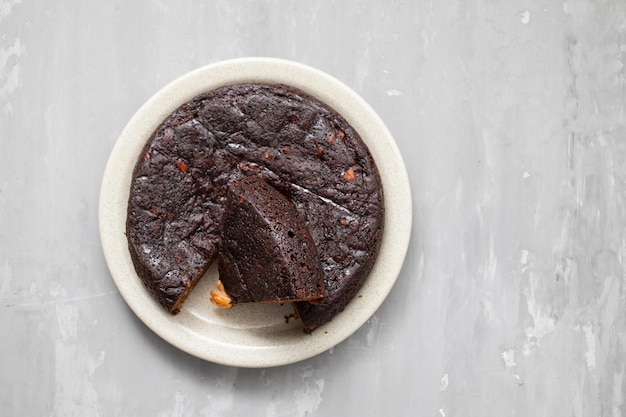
(222, 336)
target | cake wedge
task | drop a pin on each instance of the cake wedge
(267, 254)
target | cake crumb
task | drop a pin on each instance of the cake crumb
(288, 317)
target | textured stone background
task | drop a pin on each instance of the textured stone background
(510, 116)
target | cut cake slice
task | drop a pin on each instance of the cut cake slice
(267, 254)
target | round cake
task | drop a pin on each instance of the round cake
(298, 145)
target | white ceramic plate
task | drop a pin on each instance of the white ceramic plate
(252, 335)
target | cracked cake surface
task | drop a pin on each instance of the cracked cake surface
(296, 144)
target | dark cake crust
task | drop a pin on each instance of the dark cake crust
(295, 143)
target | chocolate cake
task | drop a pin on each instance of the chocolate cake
(267, 254)
(297, 144)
